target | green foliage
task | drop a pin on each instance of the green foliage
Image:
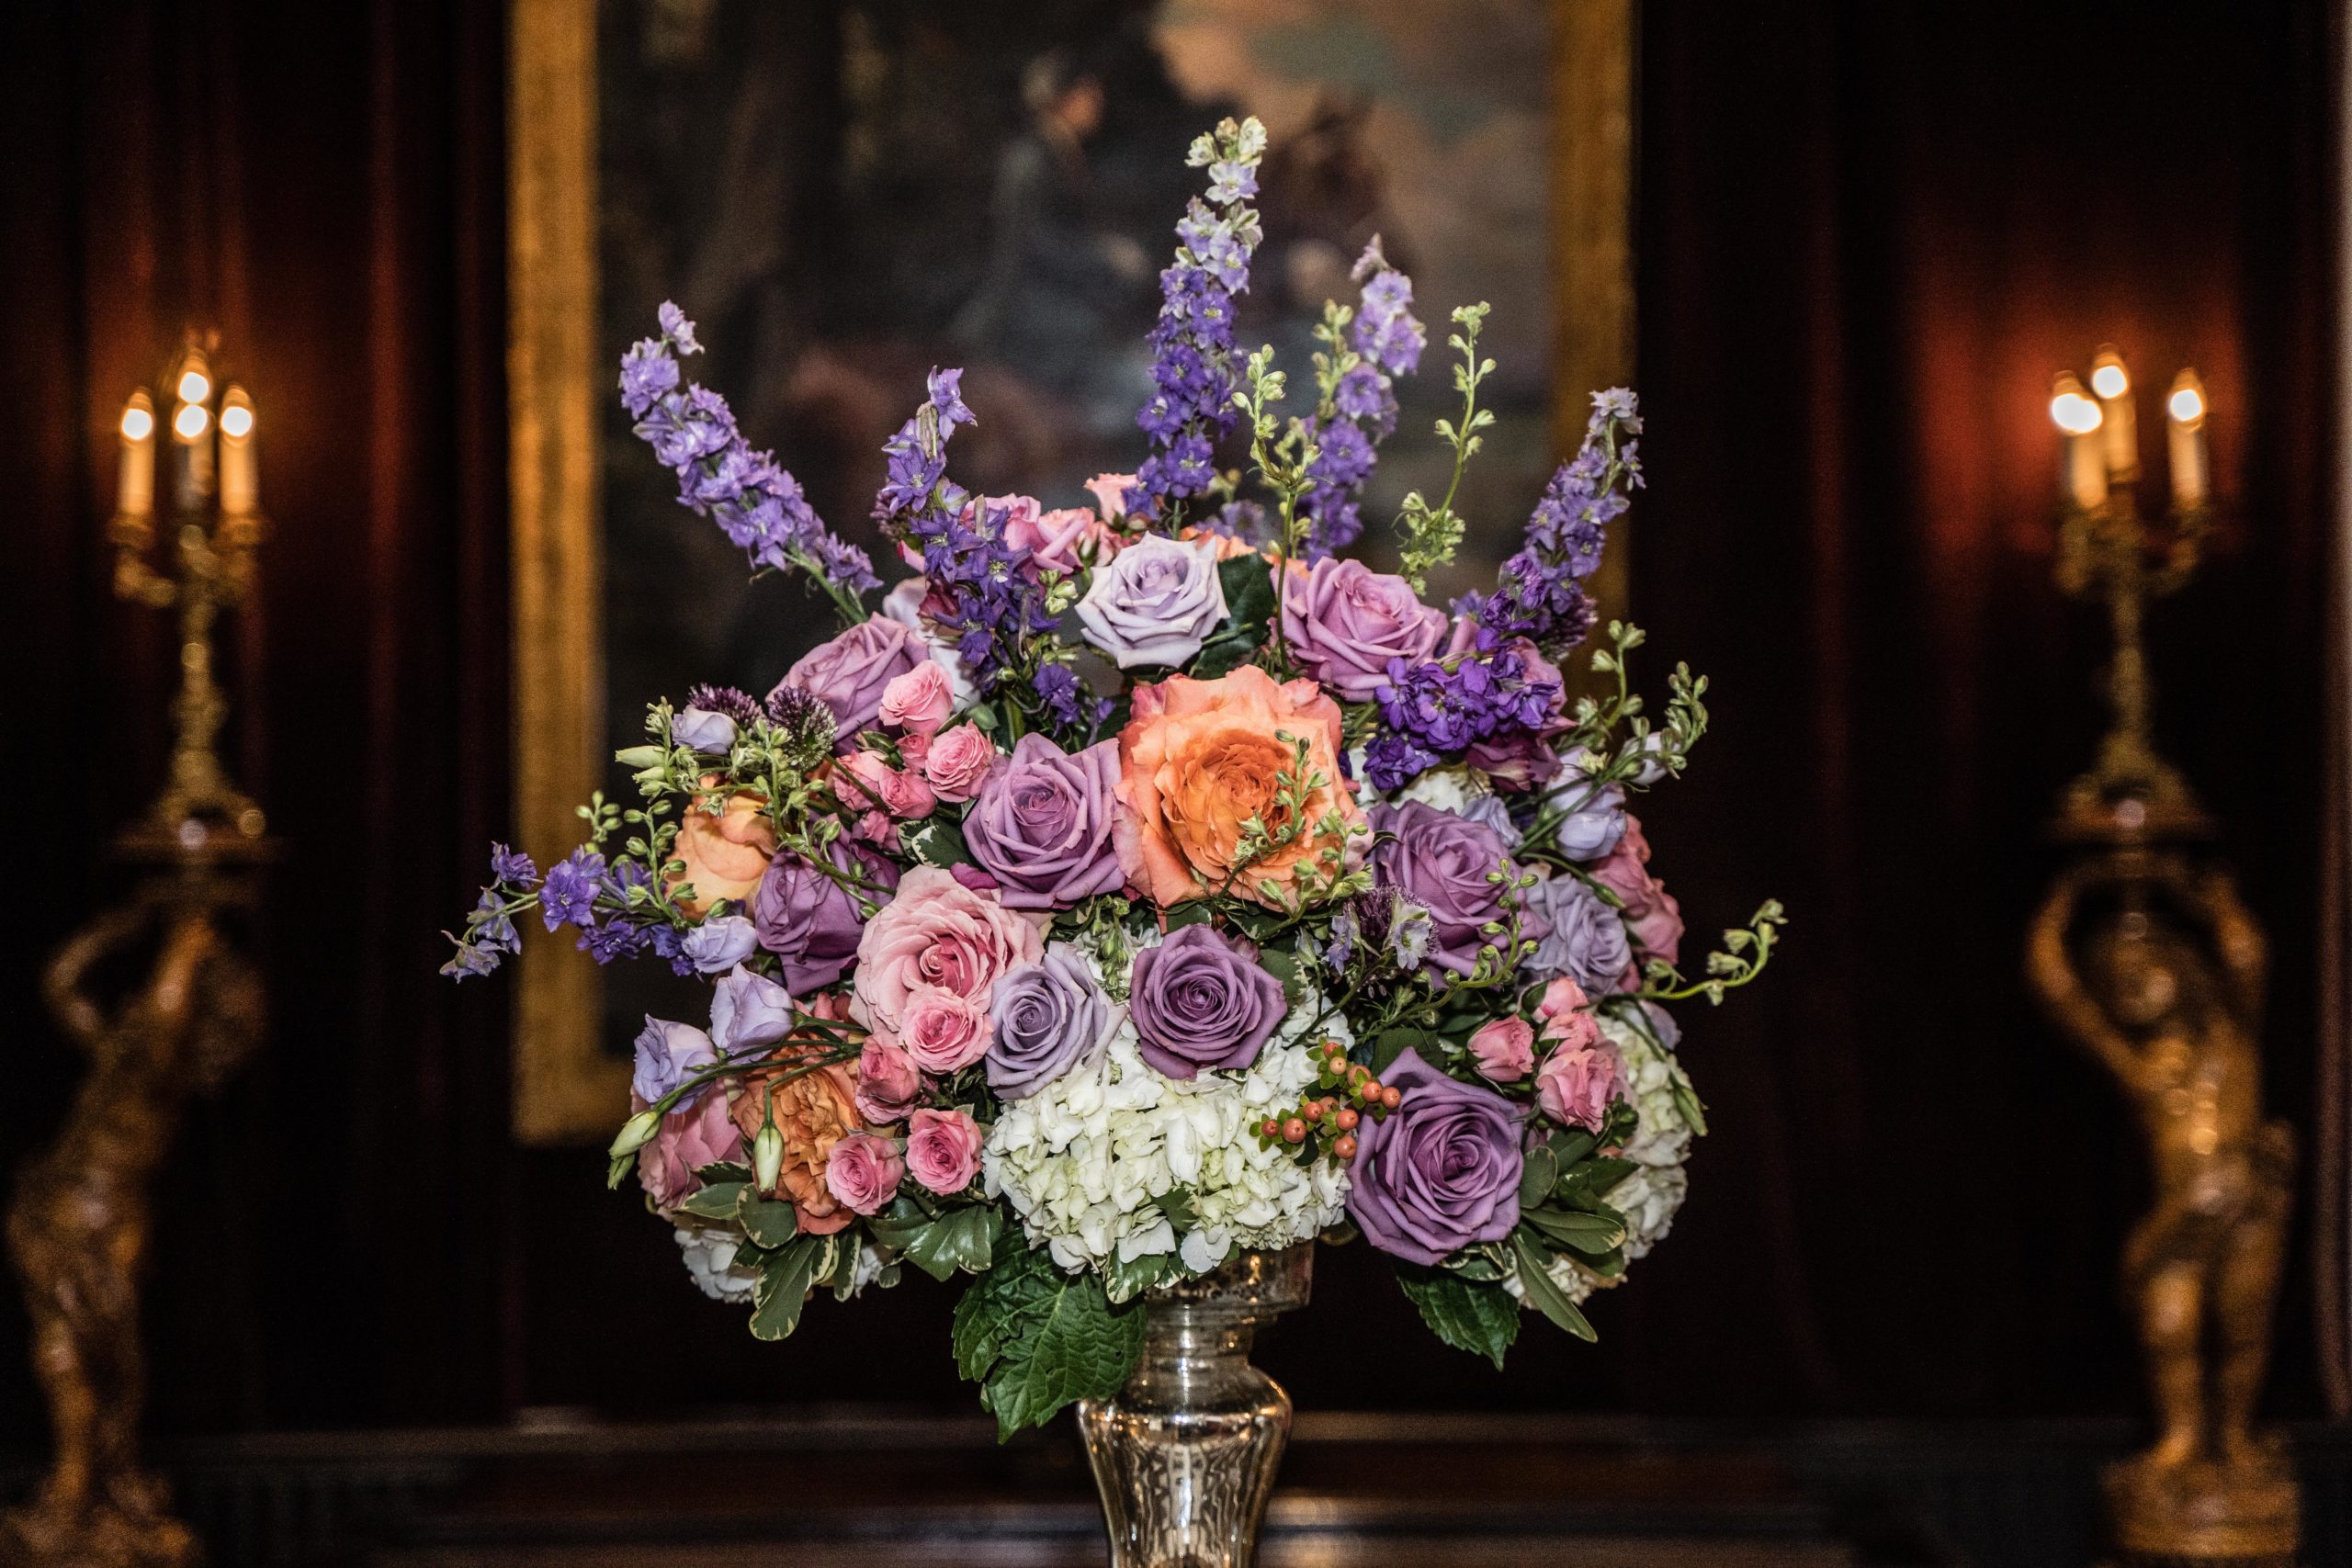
(1542, 1294)
(786, 1278)
(1248, 611)
(1745, 952)
(1430, 535)
(1473, 1316)
(1036, 1338)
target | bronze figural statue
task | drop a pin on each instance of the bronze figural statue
(78, 1228)
(2163, 983)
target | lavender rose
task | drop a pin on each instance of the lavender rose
(1200, 1002)
(1041, 825)
(1447, 864)
(1050, 1016)
(809, 921)
(1438, 1173)
(1584, 940)
(1345, 622)
(849, 674)
(1155, 603)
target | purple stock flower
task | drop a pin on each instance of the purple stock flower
(1066, 698)
(1041, 825)
(1441, 708)
(755, 503)
(809, 921)
(570, 895)
(1388, 337)
(1438, 1173)
(1200, 1002)
(1050, 1016)
(1448, 866)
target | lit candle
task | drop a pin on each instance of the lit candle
(2083, 471)
(134, 488)
(2185, 424)
(2112, 385)
(240, 484)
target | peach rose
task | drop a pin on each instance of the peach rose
(935, 935)
(958, 761)
(1228, 547)
(1200, 758)
(814, 1111)
(726, 853)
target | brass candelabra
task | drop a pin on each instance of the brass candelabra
(2144, 955)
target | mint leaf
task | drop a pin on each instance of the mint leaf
(1479, 1318)
(1037, 1339)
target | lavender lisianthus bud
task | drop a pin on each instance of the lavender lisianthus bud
(1042, 824)
(720, 944)
(667, 1055)
(1051, 1017)
(701, 729)
(1438, 1173)
(749, 1012)
(1155, 603)
(1199, 1002)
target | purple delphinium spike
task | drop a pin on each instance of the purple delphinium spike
(1192, 359)
(1540, 593)
(755, 503)
(1360, 412)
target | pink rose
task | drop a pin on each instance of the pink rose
(943, 1150)
(1505, 1049)
(936, 934)
(888, 1082)
(1111, 493)
(864, 1172)
(1578, 1081)
(958, 761)
(914, 749)
(693, 1136)
(1054, 541)
(943, 1031)
(874, 784)
(1561, 995)
(919, 700)
(1653, 918)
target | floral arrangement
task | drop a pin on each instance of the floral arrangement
(1145, 882)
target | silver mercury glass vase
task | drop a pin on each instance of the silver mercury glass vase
(1185, 1453)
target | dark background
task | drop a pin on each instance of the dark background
(1868, 236)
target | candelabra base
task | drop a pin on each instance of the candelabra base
(2243, 1511)
(131, 1527)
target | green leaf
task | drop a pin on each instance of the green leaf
(896, 1227)
(1584, 1186)
(1687, 1103)
(726, 1170)
(1541, 1174)
(1575, 1229)
(939, 845)
(1282, 965)
(1177, 1204)
(1391, 1043)
(1479, 1318)
(719, 1201)
(1125, 1279)
(768, 1222)
(783, 1289)
(1248, 584)
(1542, 1294)
(961, 1238)
(1038, 1339)
(1570, 1148)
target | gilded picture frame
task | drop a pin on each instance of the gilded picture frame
(568, 1088)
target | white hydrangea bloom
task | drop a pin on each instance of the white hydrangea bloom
(710, 1259)
(1661, 1141)
(1084, 1158)
(1448, 789)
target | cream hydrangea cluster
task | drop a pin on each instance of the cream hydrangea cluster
(1087, 1160)
(710, 1259)
(1649, 1197)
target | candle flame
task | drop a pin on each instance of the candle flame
(138, 423)
(236, 421)
(2107, 377)
(189, 423)
(2070, 412)
(2185, 401)
(196, 387)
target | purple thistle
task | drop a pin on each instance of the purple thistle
(756, 504)
(1193, 365)
(1540, 593)
(734, 702)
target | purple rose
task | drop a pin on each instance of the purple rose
(1050, 1016)
(1041, 825)
(720, 944)
(849, 672)
(667, 1055)
(701, 729)
(1584, 938)
(749, 1012)
(1447, 864)
(1345, 622)
(1200, 1002)
(1438, 1173)
(1155, 603)
(809, 920)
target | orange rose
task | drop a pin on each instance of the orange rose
(725, 854)
(813, 1112)
(1201, 757)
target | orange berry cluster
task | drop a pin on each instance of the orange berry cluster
(1332, 1120)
